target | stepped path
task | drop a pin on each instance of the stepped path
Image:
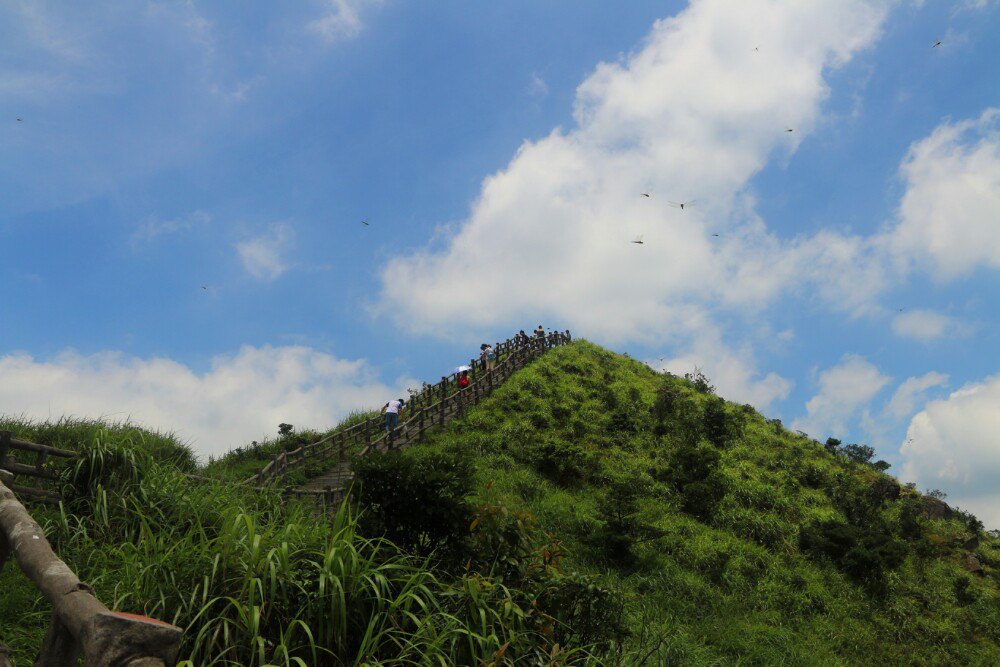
(433, 406)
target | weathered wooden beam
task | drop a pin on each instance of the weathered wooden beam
(106, 638)
(43, 449)
(30, 471)
(42, 495)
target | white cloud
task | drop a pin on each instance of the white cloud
(152, 227)
(733, 373)
(953, 444)
(904, 400)
(242, 397)
(538, 87)
(844, 390)
(342, 19)
(949, 211)
(262, 255)
(694, 114)
(926, 325)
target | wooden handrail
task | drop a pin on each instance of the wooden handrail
(511, 348)
(440, 402)
(9, 444)
(422, 404)
(81, 626)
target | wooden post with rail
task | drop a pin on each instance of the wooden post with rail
(81, 626)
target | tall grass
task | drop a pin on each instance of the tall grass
(254, 581)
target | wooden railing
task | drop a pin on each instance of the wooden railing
(80, 627)
(435, 405)
(13, 458)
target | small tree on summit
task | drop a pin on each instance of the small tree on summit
(832, 445)
(858, 453)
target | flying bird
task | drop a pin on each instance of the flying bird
(900, 309)
(789, 129)
(936, 44)
(365, 222)
(714, 234)
(756, 48)
(204, 287)
(18, 120)
(638, 239)
(645, 194)
(681, 205)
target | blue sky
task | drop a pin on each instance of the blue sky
(181, 206)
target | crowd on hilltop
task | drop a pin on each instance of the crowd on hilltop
(487, 357)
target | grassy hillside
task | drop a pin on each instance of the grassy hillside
(591, 511)
(728, 538)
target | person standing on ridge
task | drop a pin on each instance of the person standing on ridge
(391, 412)
(463, 384)
(540, 333)
(487, 356)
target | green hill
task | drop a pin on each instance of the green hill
(590, 511)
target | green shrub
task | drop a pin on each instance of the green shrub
(623, 524)
(563, 462)
(858, 453)
(865, 555)
(719, 426)
(701, 498)
(584, 611)
(417, 499)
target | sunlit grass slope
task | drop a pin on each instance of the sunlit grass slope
(729, 538)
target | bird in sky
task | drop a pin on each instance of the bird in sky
(756, 48)
(645, 194)
(714, 234)
(681, 205)
(936, 44)
(789, 129)
(638, 239)
(900, 309)
(204, 287)
(365, 222)
(19, 120)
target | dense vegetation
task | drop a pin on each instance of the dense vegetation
(589, 511)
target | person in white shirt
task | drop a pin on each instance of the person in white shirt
(391, 412)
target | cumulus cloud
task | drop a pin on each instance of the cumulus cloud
(693, 114)
(242, 397)
(953, 444)
(548, 235)
(947, 217)
(926, 325)
(262, 256)
(912, 390)
(845, 390)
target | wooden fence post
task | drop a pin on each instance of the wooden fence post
(105, 637)
(444, 392)
(4, 446)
